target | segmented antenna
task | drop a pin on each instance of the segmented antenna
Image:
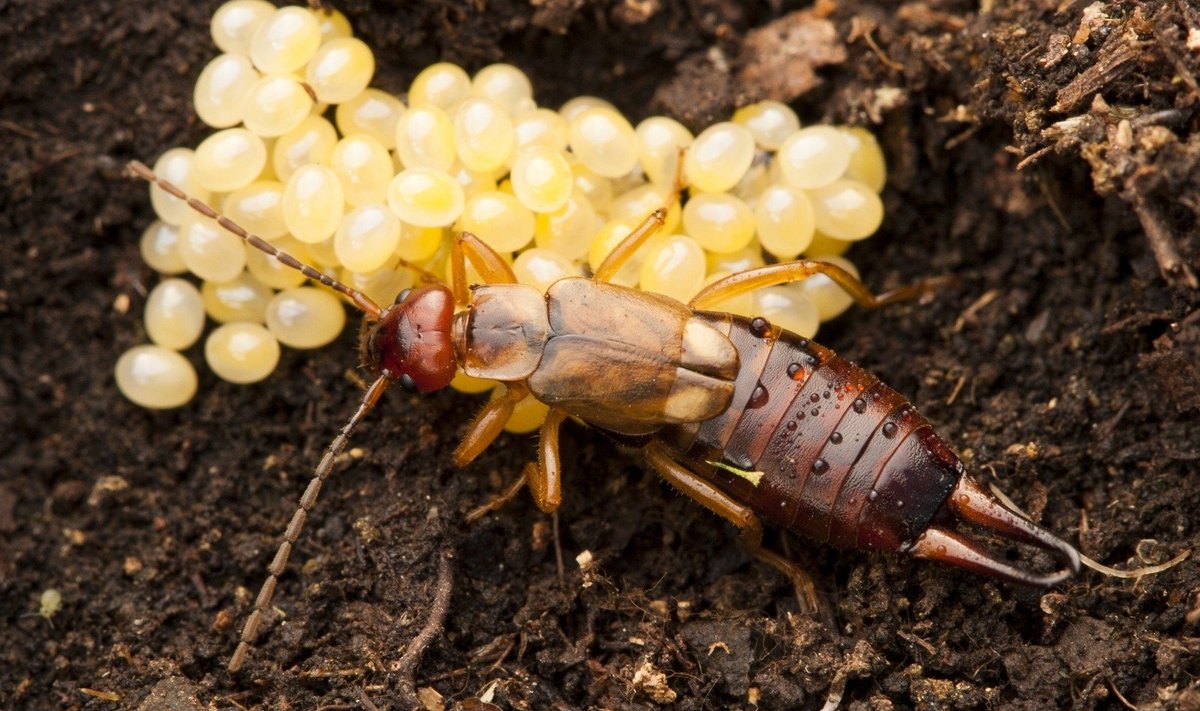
(359, 299)
(377, 388)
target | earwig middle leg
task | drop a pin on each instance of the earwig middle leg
(720, 503)
(787, 272)
(488, 424)
(544, 477)
(490, 265)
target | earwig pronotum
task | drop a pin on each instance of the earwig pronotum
(751, 421)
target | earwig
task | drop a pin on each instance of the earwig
(753, 422)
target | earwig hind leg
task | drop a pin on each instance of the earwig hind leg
(713, 499)
(488, 424)
(625, 249)
(787, 272)
(491, 266)
(544, 477)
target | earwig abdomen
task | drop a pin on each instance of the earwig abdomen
(821, 448)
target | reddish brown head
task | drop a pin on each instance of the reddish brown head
(411, 342)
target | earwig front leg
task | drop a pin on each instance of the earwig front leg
(625, 249)
(720, 503)
(545, 480)
(787, 272)
(488, 424)
(490, 265)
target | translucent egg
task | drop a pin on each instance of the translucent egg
(310, 142)
(418, 244)
(826, 246)
(504, 84)
(221, 90)
(637, 204)
(659, 141)
(229, 159)
(425, 139)
(483, 134)
(579, 104)
(159, 247)
(596, 188)
(829, 298)
(674, 267)
(285, 41)
(770, 122)
(540, 268)
(783, 218)
(177, 166)
(333, 24)
(473, 182)
(323, 256)
(867, 164)
(541, 127)
(382, 285)
(603, 141)
(305, 317)
(846, 209)
(499, 219)
(174, 314)
(719, 157)
(469, 385)
(244, 298)
(425, 198)
(788, 307)
(606, 239)
(367, 238)
(275, 105)
(372, 112)
(542, 179)
(273, 273)
(814, 156)
(364, 168)
(718, 221)
(756, 180)
(235, 22)
(258, 208)
(341, 69)
(155, 377)
(748, 257)
(313, 201)
(210, 251)
(568, 230)
(443, 85)
(241, 352)
(527, 416)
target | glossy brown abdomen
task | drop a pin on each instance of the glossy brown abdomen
(818, 446)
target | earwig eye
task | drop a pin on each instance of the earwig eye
(403, 295)
(407, 383)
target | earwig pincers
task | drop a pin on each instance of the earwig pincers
(753, 422)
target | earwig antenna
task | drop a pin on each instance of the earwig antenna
(250, 629)
(360, 300)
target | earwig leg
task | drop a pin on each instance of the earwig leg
(501, 499)
(787, 272)
(488, 424)
(545, 479)
(625, 249)
(720, 503)
(490, 265)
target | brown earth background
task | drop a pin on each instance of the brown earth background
(1033, 147)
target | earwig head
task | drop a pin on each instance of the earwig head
(411, 342)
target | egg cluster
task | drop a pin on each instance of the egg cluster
(368, 188)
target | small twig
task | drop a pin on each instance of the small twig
(558, 554)
(407, 664)
(365, 700)
(1174, 269)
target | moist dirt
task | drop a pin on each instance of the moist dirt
(1043, 153)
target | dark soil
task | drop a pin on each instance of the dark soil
(1033, 149)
